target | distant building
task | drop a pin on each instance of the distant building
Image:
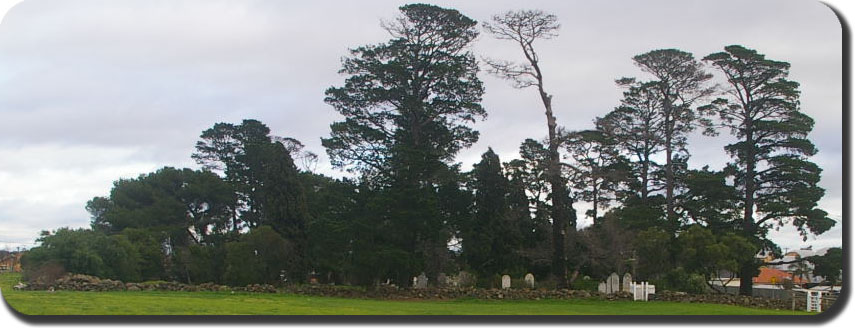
(11, 262)
(795, 255)
(770, 281)
(773, 276)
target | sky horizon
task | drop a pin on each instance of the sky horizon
(98, 91)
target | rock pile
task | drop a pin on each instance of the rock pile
(213, 287)
(160, 286)
(80, 282)
(386, 292)
(727, 299)
(258, 288)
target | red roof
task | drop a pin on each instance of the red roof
(773, 276)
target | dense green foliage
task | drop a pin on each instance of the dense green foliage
(260, 256)
(829, 266)
(83, 251)
(408, 106)
(407, 102)
(493, 238)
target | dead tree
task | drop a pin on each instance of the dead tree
(524, 28)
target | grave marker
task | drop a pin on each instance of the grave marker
(627, 281)
(613, 283)
(529, 280)
(421, 281)
(506, 281)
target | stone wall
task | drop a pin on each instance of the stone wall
(450, 293)
(728, 299)
(78, 282)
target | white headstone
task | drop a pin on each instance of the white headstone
(627, 280)
(613, 283)
(601, 287)
(529, 280)
(506, 281)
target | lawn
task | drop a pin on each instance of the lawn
(225, 303)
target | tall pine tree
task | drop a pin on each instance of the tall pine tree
(407, 105)
(777, 182)
(679, 81)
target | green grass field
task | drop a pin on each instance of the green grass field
(218, 303)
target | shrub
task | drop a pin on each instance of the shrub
(585, 284)
(83, 251)
(43, 273)
(549, 283)
(680, 280)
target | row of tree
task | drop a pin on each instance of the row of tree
(250, 215)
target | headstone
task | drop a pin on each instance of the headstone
(422, 281)
(529, 280)
(415, 282)
(465, 279)
(613, 284)
(627, 280)
(441, 280)
(506, 281)
(601, 287)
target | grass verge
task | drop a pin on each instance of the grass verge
(226, 303)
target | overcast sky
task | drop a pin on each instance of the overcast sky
(93, 91)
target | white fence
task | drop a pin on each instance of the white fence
(814, 301)
(641, 290)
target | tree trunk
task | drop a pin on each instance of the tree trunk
(746, 276)
(747, 270)
(645, 180)
(559, 230)
(670, 215)
(595, 201)
(559, 197)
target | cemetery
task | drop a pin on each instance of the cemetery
(612, 290)
(402, 202)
